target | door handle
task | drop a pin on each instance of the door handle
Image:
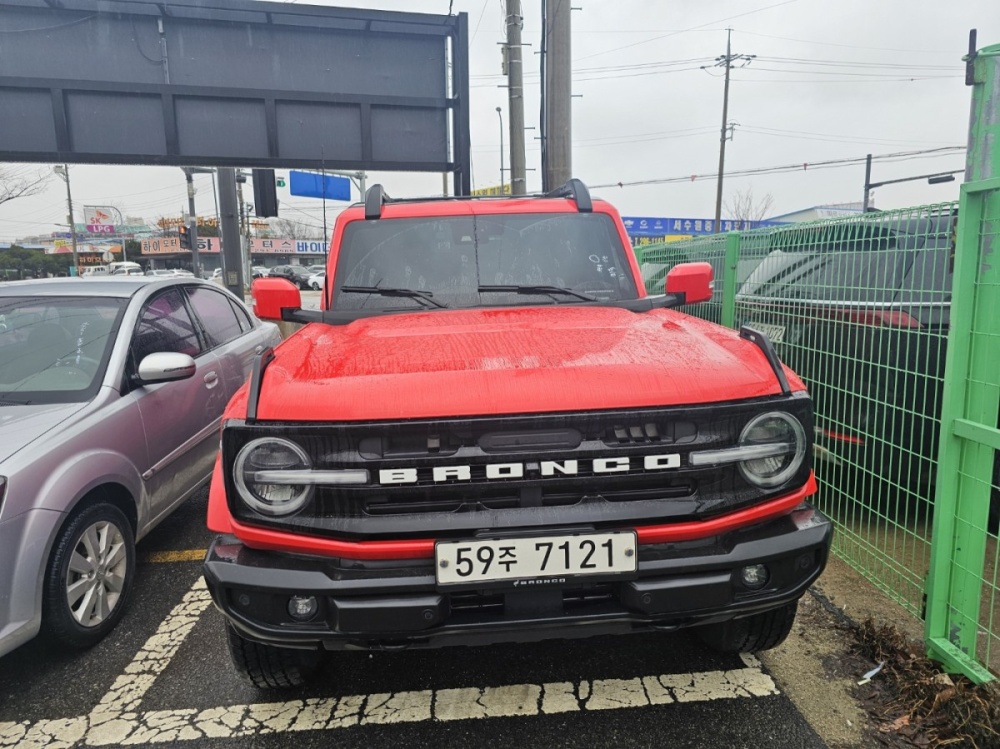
(211, 380)
(258, 349)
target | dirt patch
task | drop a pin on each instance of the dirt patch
(818, 667)
(839, 635)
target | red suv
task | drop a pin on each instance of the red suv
(490, 433)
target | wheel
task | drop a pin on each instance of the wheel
(752, 633)
(89, 577)
(269, 666)
(315, 286)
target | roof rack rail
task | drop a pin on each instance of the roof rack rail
(375, 198)
(575, 189)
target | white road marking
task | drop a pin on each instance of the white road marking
(116, 719)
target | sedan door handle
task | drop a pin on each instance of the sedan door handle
(211, 379)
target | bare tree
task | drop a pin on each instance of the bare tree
(745, 209)
(285, 228)
(21, 182)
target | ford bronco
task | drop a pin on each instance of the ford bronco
(489, 432)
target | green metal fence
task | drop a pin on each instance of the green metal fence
(860, 308)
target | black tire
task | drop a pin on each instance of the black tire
(102, 536)
(752, 633)
(269, 666)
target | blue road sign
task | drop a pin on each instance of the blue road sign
(652, 226)
(311, 185)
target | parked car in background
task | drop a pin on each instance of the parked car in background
(128, 271)
(111, 394)
(160, 273)
(861, 311)
(258, 271)
(297, 274)
(314, 269)
(316, 280)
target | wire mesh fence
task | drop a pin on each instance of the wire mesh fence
(860, 308)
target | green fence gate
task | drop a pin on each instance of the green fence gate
(962, 587)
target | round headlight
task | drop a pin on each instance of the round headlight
(785, 437)
(258, 470)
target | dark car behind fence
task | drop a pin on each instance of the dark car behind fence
(861, 308)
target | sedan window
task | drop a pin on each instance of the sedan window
(54, 349)
(165, 326)
(216, 314)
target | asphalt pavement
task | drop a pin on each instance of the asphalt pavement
(163, 676)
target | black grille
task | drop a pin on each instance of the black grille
(589, 497)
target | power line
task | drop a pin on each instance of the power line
(682, 31)
(851, 46)
(802, 166)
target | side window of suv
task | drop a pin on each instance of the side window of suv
(216, 314)
(165, 325)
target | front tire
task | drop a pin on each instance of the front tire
(89, 578)
(269, 666)
(752, 633)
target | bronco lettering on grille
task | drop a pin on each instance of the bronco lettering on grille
(496, 471)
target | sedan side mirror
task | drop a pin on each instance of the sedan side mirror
(270, 295)
(693, 281)
(165, 367)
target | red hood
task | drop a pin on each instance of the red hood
(507, 361)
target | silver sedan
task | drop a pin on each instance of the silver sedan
(111, 394)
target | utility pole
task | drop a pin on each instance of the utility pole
(558, 167)
(515, 93)
(192, 221)
(233, 258)
(500, 115)
(63, 171)
(726, 61)
(868, 183)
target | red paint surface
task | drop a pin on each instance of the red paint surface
(454, 363)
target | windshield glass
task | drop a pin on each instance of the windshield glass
(54, 349)
(454, 257)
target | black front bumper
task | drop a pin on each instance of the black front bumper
(397, 604)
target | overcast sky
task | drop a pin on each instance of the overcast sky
(831, 80)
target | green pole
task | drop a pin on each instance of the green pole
(971, 394)
(729, 280)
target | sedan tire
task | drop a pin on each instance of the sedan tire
(89, 577)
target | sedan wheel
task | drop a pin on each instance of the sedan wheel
(90, 576)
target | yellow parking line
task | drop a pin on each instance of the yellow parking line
(187, 555)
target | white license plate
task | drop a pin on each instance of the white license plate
(534, 558)
(775, 332)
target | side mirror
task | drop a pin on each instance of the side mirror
(692, 280)
(270, 295)
(166, 367)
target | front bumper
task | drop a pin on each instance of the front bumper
(397, 604)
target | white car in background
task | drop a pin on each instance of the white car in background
(316, 280)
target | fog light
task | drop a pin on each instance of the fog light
(302, 608)
(754, 576)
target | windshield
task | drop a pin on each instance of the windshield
(457, 258)
(54, 349)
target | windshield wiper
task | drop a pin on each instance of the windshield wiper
(13, 402)
(417, 295)
(541, 289)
